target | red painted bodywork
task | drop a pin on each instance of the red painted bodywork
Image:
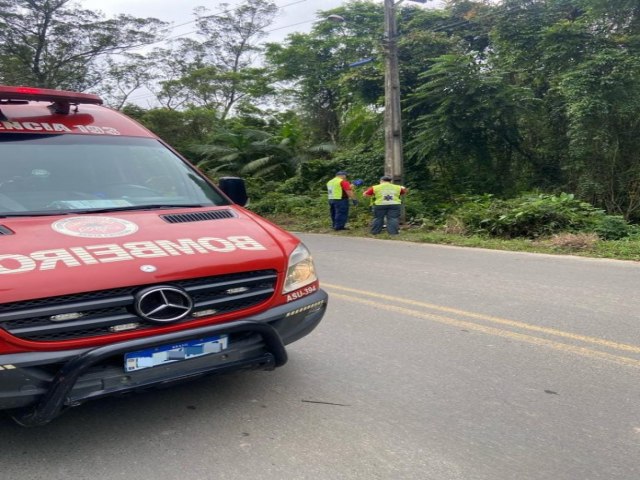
(35, 234)
(86, 115)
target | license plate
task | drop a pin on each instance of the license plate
(152, 357)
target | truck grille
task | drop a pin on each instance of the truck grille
(102, 312)
(198, 216)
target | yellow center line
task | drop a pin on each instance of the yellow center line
(585, 352)
(502, 321)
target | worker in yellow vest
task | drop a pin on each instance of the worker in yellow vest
(340, 192)
(387, 200)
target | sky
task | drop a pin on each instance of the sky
(293, 16)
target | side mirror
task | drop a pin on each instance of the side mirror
(234, 188)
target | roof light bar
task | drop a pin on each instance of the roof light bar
(45, 94)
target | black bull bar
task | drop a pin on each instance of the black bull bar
(53, 401)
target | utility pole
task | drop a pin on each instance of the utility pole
(393, 161)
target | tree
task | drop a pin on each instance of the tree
(603, 131)
(54, 44)
(246, 151)
(125, 77)
(316, 66)
(579, 57)
(467, 132)
(218, 70)
(181, 128)
(176, 63)
(342, 98)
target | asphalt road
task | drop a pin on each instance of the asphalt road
(432, 362)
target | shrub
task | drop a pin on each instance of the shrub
(473, 213)
(529, 216)
(613, 227)
(305, 212)
(274, 203)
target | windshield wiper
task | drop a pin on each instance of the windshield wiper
(30, 214)
(154, 206)
(52, 213)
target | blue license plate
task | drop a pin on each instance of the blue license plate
(152, 357)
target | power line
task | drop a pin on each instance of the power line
(152, 95)
(217, 14)
(441, 27)
(229, 11)
(291, 25)
(462, 22)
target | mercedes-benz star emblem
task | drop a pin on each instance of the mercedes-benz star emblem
(163, 304)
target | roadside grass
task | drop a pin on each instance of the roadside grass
(579, 244)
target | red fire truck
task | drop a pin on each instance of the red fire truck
(123, 267)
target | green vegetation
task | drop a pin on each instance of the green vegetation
(531, 223)
(520, 117)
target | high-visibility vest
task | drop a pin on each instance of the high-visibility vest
(334, 188)
(386, 194)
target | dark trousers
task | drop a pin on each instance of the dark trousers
(339, 211)
(392, 214)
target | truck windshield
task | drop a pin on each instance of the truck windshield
(48, 174)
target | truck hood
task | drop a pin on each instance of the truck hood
(57, 255)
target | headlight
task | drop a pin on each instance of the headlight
(300, 271)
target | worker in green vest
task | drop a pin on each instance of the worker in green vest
(387, 205)
(339, 192)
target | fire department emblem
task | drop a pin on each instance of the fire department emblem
(95, 227)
